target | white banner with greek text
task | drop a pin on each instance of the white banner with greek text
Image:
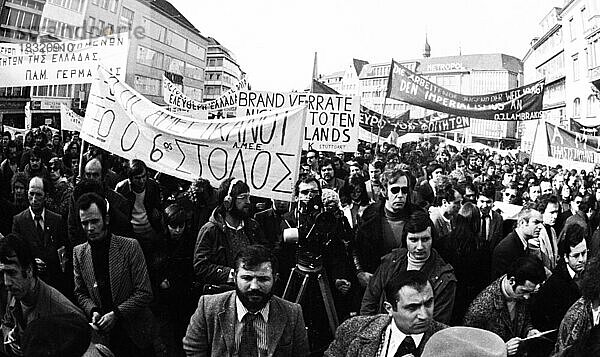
(331, 123)
(68, 62)
(69, 120)
(173, 96)
(262, 149)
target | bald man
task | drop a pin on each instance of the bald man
(45, 232)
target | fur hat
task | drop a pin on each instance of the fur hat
(464, 342)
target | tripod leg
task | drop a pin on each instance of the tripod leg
(302, 288)
(328, 303)
(289, 283)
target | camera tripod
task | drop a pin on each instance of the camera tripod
(308, 273)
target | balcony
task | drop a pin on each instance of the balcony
(594, 76)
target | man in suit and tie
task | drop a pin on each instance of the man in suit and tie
(46, 235)
(249, 321)
(491, 221)
(403, 330)
(112, 284)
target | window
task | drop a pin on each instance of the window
(592, 104)
(196, 50)
(114, 5)
(572, 28)
(147, 85)
(174, 65)
(193, 72)
(583, 18)
(154, 30)
(174, 40)
(149, 57)
(575, 67)
(95, 2)
(91, 24)
(126, 19)
(192, 92)
(105, 4)
(576, 108)
(74, 5)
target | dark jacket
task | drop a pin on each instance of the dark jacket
(151, 201)
(441, 275)
(489, 312)
(362, 336)
(507, 251)
(555, 297)
(119, 212)
(46, 248)
(211, 331)
(273, 226)
(496, 224)
(368, 248)
(211, 263)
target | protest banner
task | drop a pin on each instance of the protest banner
(577, 127)
(331, 121)
(263, 150)
(69, 120)
(68, 62)
(430, 124)
(567, 145)
(523, 103)
(173, 96)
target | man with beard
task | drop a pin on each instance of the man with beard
(228, 230)
(36, 167)
(522, 241)
(249, 321)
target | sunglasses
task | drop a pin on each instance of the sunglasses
(306, 192)
(397, 189)
(509, 195)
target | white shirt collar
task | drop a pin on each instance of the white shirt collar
(399, 336)
(235, 228)
(571, 271)
(33, 214)
(242, 311)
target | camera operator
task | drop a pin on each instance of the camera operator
(322, 232)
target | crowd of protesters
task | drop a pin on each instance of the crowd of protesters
(127, 261)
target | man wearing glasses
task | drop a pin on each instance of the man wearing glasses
(227, 232)
(383, 224)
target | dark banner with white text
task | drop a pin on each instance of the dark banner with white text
(523, 103)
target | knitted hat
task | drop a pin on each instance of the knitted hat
(464, 342)
(65, 335)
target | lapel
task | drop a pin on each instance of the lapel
(87, 267)
(115, 269)
(227, 317)
(278, 320)
(369, 338)
(502, 308)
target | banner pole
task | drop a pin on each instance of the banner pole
(380, 121)
(83, 148)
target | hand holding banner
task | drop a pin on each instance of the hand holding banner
(263, 150)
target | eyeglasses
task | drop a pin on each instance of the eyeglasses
(397, 189)
(510, 195)
(310, 157)
(243, 196)
(577, 202)
(306, 192)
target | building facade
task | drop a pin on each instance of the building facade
(465, 74)
(222, 70)
(161, 40)
(567, 55)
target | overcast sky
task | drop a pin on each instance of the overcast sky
(275, 40)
